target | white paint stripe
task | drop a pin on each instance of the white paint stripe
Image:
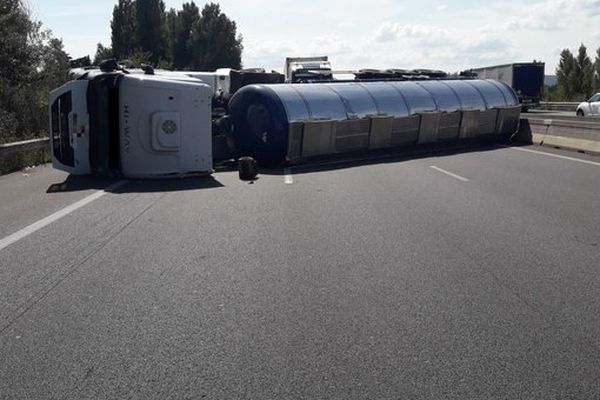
(36, 226)
(460, 178)
(288, 179)
(597, 164)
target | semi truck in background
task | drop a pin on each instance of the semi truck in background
(305, 69)
(526, 79)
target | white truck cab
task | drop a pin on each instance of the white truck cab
(133, 125)
(590, 107)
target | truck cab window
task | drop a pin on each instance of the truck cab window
(61, 145)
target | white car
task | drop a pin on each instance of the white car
(590, 107)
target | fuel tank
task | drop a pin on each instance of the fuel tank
(292, 122)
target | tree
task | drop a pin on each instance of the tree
(124, 29)
(187, 19)
(102, 53)
(32, 63)
(214, 42)
(584, 73)
(184, 39)
(172, 28)
(597, 71)
(16, 55)
(566, 74)
(151, 28)
(54, 63)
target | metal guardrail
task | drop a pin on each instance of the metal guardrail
(14, 156)
(25, 145)
(558, 105)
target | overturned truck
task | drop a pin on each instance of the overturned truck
(172, 124)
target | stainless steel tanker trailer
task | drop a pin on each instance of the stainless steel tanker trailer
(145, 125)
(292, 122)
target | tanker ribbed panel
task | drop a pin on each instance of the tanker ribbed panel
(417, 98)
(291, 122)
(358, 100)
(323, 103)
(492, 95)
(295, 106)
(388, 99)
(444, 97)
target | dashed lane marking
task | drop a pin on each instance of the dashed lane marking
(443, 171)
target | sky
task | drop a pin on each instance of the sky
(447, 35)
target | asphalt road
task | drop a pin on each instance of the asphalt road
(453, 276)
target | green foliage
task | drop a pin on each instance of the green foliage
(151, 28)
(102, 53)
(184, 39)
(552, 94)
(565, 74)
(32, 63)
(596, 83)
(124, 29)
(173, 28)
(140, 57)
(186, 20)
(577, 77)
(14, 162)
(584, 73)
(214, 43)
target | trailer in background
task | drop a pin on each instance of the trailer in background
(305, 69)
(526, 79)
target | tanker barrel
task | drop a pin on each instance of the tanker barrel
(293, 122)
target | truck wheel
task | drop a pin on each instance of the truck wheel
(580, 113)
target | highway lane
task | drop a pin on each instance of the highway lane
(32, 194)
(390, 279)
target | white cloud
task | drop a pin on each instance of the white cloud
(379, 34)
(591, 6)
(552, 15)
(439, 47)
(421, 34)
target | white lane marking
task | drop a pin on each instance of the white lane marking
(288, 179)
(443, 171)
(597, 164)
(36, 226)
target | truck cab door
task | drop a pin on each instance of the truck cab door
(69, 128)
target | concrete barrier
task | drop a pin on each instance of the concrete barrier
(575, 135)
